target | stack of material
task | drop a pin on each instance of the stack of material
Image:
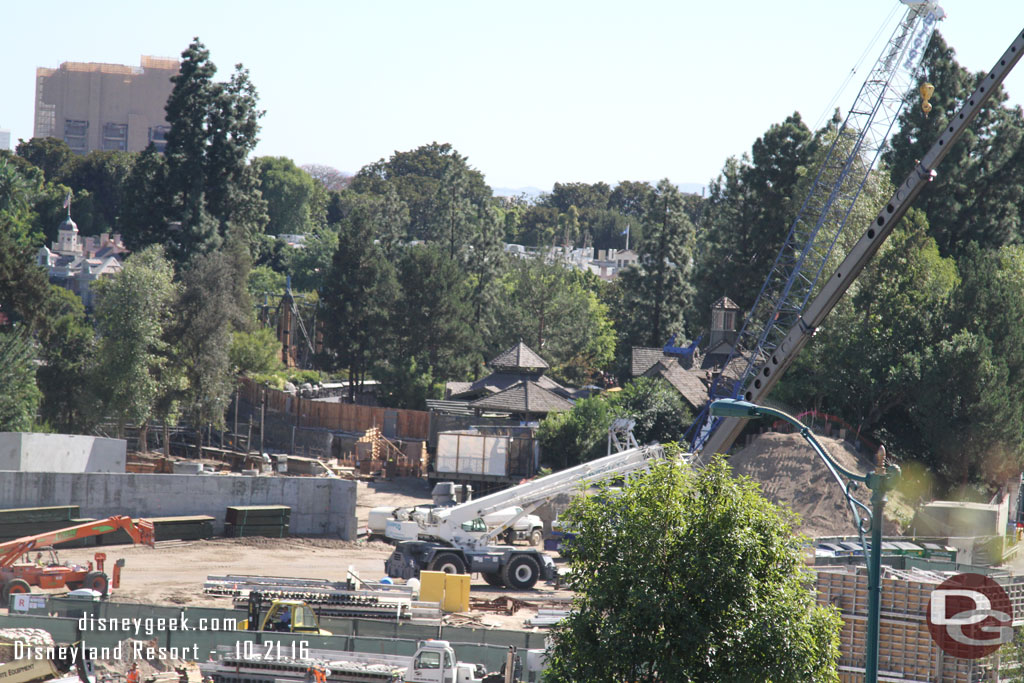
(257, 520)
(189, 528)
(21, 522)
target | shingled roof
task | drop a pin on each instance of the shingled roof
(644, 358)
(520, 357)
(685, 382)
(526, 397)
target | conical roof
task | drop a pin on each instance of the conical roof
(519, 357)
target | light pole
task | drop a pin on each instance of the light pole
(878, 481)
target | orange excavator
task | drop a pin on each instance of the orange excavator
(19, 576)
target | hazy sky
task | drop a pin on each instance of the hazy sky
(532, 92)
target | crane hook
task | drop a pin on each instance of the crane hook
(926, 90)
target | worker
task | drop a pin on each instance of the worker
(133, 674)
(284, 621)
(320, 674)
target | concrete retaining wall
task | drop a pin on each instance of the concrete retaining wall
(29, 452)
(320, 506)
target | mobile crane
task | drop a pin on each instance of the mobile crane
(456, 540)
(19, 577)
(782, 321)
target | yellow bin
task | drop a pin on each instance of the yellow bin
(456, 593)
(432, 586)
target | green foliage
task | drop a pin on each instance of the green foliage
(578, 435)
(19, 396)
(132, 314)
(658, 291)
(290, 194)
(17, 193)
(255, 352)
(51, 155)
(65, 376)
(659, 410)
(264, 280)
(404, 385)
(690, 576)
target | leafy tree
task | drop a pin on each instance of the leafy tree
(257, 352)
(19, 396)
(557, 312)
(977, 195)
(310, 265)
(659, 411)
(290, 194)
(146, 208)
(748, 213)
(330, 178)
(433, 322)
(690, 575)
(452, 216)
(132, 314)
(630, 198)
(576, 436)
(65, 375)
(658, 291)
(391, 221)
(214, 303)
(104, 176)
(17, 192)
(580, 195)
(51, 155)
(357, 297)
(263, 279)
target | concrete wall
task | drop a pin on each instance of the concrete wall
(320, 506)
(30, 452)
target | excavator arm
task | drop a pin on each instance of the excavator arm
(139, 533)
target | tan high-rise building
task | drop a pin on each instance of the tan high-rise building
(94, 106)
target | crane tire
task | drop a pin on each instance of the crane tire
(98, 582)
(521, 572)
(449, 563)
(537, 537)
(493, 579)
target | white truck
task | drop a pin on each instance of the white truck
(457, 540)
(433, 662)
(529, 528)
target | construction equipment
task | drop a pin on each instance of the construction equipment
(24, 658)
(456, 540)
(287, 616)
(433, 662)
(782, 321)
(19, 577)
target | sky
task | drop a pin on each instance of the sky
(531, 92)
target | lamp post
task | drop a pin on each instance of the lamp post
(878, 481)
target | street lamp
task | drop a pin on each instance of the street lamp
(878, 481)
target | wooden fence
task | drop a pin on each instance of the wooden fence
(346, 417)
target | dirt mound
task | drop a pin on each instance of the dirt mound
(792, 474)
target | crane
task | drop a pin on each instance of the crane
(769, 361)
(823, 213)
(19, 577)
(456, 539)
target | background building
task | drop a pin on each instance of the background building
(5, 139)
(94, 106)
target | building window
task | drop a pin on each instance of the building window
(115, 136)
(74, 134)
(158, 136)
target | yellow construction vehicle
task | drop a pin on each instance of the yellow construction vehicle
(287, 616)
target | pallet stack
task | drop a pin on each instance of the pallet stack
(21, 522)
(189, 528)
(257, 520)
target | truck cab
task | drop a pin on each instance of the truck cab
(435, 662)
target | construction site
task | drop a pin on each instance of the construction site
(316, 539)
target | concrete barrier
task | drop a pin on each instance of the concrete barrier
(320, 506)
(30, 452)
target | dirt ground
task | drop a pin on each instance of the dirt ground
(173, 572)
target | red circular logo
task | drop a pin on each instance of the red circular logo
(970, 616)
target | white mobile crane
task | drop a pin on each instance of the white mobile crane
(456, 540)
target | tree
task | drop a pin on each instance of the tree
(16, 195)
(357, 297)
(19, 396)
(255, 352)
(132, 314)
(65, 376)
(214, 303)
(657, 408)
(290, 194)
(51, 155)
(104, 176)
(690, 575)
(214, 127)
(331, 178)
(146, 210)
(658, 291)
(977, 195)
(575, 436)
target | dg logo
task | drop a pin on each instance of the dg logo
(970, 616)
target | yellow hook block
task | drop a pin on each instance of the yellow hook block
(926, 90)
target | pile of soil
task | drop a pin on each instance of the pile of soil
(791, 473)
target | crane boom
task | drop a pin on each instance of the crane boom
(771, 368)
(140, 533)
(822, 216)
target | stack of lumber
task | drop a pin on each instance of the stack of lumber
(188, 528)
(21, 522)
(257, 520)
